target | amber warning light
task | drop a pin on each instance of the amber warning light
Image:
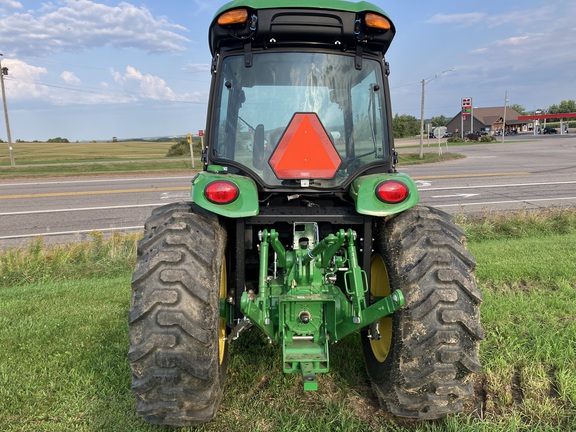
(235, 16)
(305, 151)
(377, 21)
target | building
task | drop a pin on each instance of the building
(489, 120)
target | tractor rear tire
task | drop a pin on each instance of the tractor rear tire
(178, 350)
(422, 364)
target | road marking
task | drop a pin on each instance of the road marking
(63, 181)
(168, 195)
(499, 186)
(455, 196)
(507, 202)
(80, 209)
(46, 234)
(470, 175)
(97, 192)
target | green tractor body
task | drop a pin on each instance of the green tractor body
(301, 226)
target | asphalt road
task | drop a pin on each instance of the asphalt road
(497, 177)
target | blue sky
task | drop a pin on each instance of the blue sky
(90, 70)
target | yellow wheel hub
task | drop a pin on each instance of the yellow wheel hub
(222, 326)
(380, 287)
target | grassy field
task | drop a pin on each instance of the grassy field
(63, 333)
(47, 153)
(73, 159)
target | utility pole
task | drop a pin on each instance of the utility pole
(4, 71)
(424, 81)
(504, 118)
(422, 121)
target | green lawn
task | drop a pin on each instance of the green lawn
(64, 343)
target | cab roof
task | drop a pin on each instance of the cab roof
(273, 23)
(318, 4)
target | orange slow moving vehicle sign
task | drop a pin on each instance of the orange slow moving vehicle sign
(305, 151)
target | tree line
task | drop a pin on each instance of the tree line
(406, 125)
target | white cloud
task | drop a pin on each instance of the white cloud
(463, 19)
(85, 24)
(116, 75)
(70, 78)
(22, 82)
(194, 68)
(26, 83)
(152, 87)
(12, 4)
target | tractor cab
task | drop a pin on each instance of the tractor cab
(300, 95)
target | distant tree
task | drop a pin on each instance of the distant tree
(58, 140)
(181, 148)
(566, 106)
(405, 126)
(440, 120)
(519, 109)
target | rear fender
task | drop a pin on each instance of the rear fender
(363, 191)
(245, 205)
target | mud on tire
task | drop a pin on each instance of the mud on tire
(434, 339)
(177, 354)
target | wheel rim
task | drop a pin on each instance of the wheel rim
(380, 287)
(222, 325)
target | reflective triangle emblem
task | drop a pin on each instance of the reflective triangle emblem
(305, 151)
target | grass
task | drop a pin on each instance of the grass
(50, 153)
(73, 159)
(76, 159)
(91, 169)
(97, 258)
(63, 333)
(414, 158)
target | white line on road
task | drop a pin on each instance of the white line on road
(497, 186)
(180, 195)
(95, 181)
(81, 209)
(455, 196)
(506, 202)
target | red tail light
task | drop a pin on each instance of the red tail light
(392, 191)
(221, 192)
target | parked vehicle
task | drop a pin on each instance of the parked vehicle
(549, 130)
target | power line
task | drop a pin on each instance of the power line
(57, 63)
(90, 90)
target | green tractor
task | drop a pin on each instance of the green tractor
(301, 226)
